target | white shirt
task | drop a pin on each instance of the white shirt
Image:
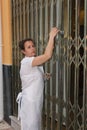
(32, 77)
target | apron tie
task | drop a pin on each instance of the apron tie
(18, 100)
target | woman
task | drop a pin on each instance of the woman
(32, 78)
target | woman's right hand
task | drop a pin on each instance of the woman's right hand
(53, 32)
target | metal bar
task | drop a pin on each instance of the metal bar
(16, 37)
(41, 46)
(45, 40)
(47, 87)
(58, 76)
(58, 24)
(28, 17)
(41, 27)
(36, 17)
(24, 19)
(52, 87)
(14, 55)
(17, 18)
(17, 41)
(57, 51)
(46, 20)
(77, 5)
(20, 19)
(68, 82)
(85, 70)
(32, 18)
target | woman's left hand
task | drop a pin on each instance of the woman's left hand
(47, 76)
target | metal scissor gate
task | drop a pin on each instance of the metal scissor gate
(65, 94)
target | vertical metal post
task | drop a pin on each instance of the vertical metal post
(24, 20)
(47, 88)
(58, 24)
(32, 18)
(58, 65)
(28, 17)
(84, 119)
(52, 87)
(36, 13)
(13, 54)
(20, 20)
(41, 27)
(68, 82)
(77, 6)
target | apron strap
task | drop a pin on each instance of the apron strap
(18, 100)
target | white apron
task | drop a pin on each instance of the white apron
(31, 98)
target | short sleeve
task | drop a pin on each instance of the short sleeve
(26, 65)
(29, 61)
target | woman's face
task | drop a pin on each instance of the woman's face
(30, 49)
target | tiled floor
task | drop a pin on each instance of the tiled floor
(5, 126)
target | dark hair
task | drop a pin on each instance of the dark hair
(21, 43)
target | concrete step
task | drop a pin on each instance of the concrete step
(15, 123)
(5, 126)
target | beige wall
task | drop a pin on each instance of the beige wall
(1, 76)
(6, 32)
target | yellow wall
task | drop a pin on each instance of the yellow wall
(6, 32)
